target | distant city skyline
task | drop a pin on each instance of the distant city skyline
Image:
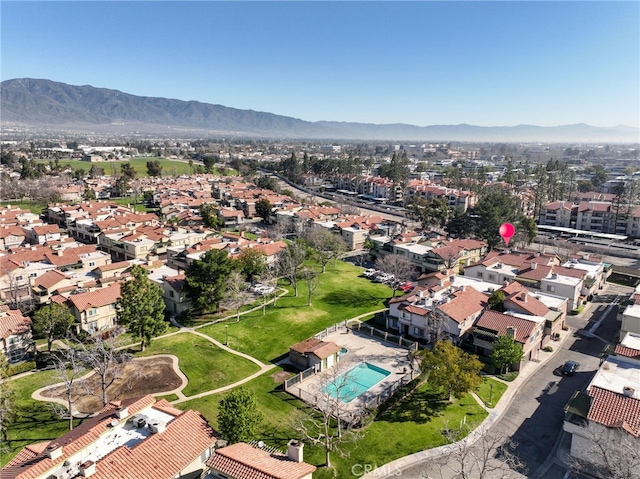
(422, 63)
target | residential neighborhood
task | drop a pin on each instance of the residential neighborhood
(323, 299)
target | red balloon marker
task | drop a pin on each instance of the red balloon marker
(507, 230)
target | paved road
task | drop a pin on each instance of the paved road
(534, 418)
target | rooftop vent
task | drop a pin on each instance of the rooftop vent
(294, 450)
(122, 412)
(54, 451)
(157, 427)
(628, 391)
(87, 468)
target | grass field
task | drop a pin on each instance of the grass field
(33, 421)
(206, 366)
(409, 426)
(342, 294)
(490, 391)
(169, 167)
(33, 206)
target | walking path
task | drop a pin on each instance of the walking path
(494, 416)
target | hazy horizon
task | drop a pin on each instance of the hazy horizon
(417, 63)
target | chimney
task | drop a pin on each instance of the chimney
(628, 391)
(158, 427)
(523, 296)
(54, 451)
(87, 468)
(534, 265)
(122, 412)
(511, 332)
(294, 450)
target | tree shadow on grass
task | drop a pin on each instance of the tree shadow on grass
(349, 297)
(420, 407)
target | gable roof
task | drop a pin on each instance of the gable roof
(157, 456)
(13, 322)
(498, 323)
(97, 298)
(317, 347)
(243, 461)
(614, 410)
(465, 303)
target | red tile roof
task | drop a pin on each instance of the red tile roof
(626, 351)
(321, 349)
(49, 279)
(614, 410)
(243, 461)
(13, 322)
(524, 302)
(464, 304)
(98, 298)
(499, 322)
(158, 456)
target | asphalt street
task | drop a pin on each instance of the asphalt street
(534, 418)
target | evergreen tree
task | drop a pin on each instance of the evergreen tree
(141, 307)
(238, 416)
(206, 279)
(452, 369)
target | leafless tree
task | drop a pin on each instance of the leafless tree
(348, 209)
(331, 425)
(490, 456)
(312, 278)
(435, 322)
(450, 256)
(607, 452)
(237, 294)
(325, 244)
(290, 262)
(68, 371)
(398, 267)
(107, 362)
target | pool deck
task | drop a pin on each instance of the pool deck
(361, 347)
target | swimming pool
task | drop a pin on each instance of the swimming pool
(354, 382)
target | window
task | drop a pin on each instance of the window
(93, 326)
(171, 294)
(479, 274)
(19, 278)
(417, 332)
(92, 264)
(394, 323)
(492, 276)
(92, 312)
(13, 339)
(33, 275)
(551, 288)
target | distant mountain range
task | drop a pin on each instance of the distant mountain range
(58, 106)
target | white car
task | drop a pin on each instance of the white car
(368, 273)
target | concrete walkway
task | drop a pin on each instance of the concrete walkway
(495, 414)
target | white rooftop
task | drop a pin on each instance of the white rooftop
(562, 279)
(632, 310)
(123, 433)
(475, 283)
(617, 373)
(549, 300)
(592, 269)
(631, 340)
(528, 317)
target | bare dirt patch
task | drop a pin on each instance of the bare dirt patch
(281, 376)
(140, 377)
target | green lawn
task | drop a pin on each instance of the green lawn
(33, 421)
(206, 366)
(33, 206)
(341, 295)
(490, 391)
(410, 426)
(169, 167)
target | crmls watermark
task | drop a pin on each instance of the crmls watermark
(360, 470)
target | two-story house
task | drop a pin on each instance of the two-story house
(94, 310)
(16, 342)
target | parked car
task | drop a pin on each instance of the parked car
(570, 367)
(406, 286)
(369, 273)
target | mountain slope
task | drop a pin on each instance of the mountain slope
(45, 103)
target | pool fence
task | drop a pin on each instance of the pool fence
(355, 325)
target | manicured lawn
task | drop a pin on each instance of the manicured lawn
(168, 397)
(409, 426)
(33, 421)
(490, 391)
(33, 206)
(341, 295)
(206, 366)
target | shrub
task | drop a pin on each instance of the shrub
(547, 349)
(21, 368)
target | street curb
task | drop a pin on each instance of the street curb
(494, 415)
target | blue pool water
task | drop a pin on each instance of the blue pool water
(354, 382)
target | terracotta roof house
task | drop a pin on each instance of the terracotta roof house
(137, 438)
(525, 329)
(95, 310)
(15, 335)
(243, 461)
(314, 353)
(609, 409)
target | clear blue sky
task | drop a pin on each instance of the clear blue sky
(425, 63)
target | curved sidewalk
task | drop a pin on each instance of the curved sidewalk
(495, 414)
